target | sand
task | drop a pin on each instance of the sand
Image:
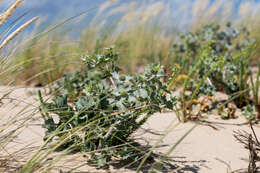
(204, 150)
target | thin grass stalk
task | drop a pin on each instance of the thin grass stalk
(10, 11)
(257, 85)
(12, 25)
(204, 53)
(17, 31)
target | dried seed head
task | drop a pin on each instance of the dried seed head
(9, 11)
(17, 31)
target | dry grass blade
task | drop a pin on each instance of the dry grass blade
(10, 11)
(251, 143)
(17, 31)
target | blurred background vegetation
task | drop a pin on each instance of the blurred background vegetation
(141, 31)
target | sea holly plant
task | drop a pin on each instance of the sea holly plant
(213, 59)
(227, 45)
(187, 47)
(231, 76)
(101, 108)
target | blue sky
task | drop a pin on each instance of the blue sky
(56, 10)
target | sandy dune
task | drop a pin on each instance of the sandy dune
(204, 150)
